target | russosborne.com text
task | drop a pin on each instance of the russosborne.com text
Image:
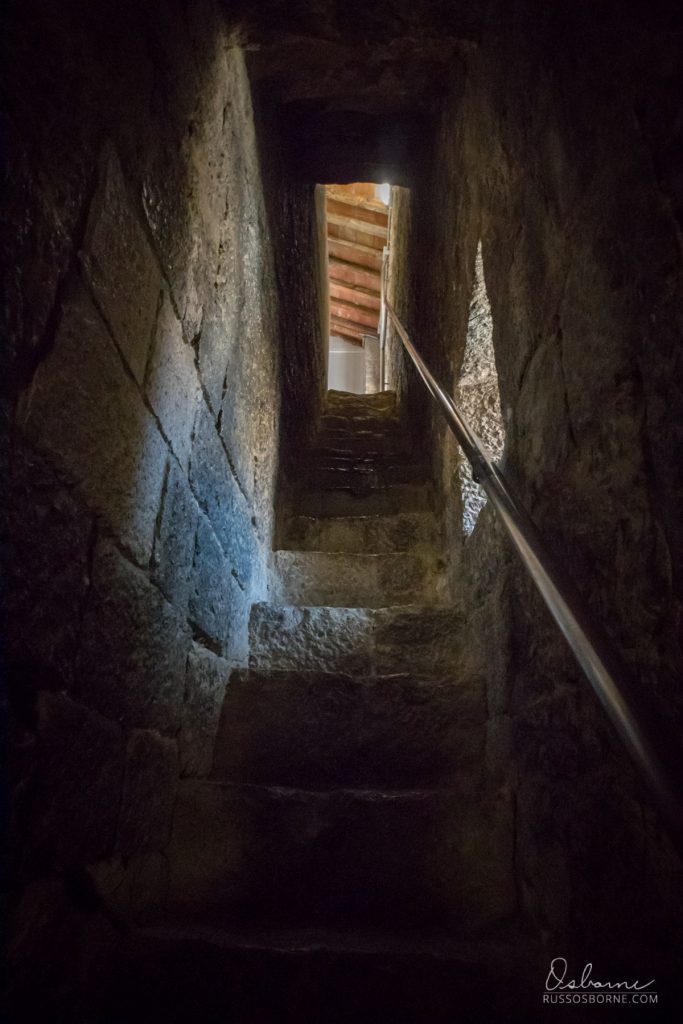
(595, 998)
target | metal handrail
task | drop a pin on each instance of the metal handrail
(646, 739)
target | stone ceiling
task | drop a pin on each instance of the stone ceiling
(352, 82)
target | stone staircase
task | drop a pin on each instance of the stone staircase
(348, 859)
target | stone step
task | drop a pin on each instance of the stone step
(428, 642)
(357, 476)
(408, 531)
(344, 402)
(340, 579)
(392, 500)
(320, 729)
(355, 419)
(267, 975)
(318, 458)
(361, 443)
(374, 858)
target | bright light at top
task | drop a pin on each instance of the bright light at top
(383, 193)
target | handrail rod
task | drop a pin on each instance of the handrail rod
(645, 739)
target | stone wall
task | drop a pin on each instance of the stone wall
(398, 289)
(142, 384)
(541, 152)
(478, 396)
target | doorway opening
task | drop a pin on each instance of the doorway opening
(357, 228)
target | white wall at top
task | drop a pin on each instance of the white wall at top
(346, 367)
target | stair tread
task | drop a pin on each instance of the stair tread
(361, 793)
(270, 973)
(355, 556)
(415, 606)
(367, 941)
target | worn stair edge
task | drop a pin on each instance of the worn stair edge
(428, 642)
(296, 975)
(342, 579)
(379, 534)
(390, 500)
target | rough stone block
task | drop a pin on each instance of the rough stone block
(45, 931)
(76, 793)
(327, 639)
(84, 411)
(381, 534)
(219, 496)
(388, 502)
(339, 579)
(198, 180)
(318, 729)
(39, 242)
(550, 739)
(205, 683)
(499, 747)
(134, 891)
(131, 665)
(48, 537)
(173, 552)
(148, 793)
(422, 641)
(121, 266)
(218, 336)
(217, 605)
(172, 384)
(475, 869)
(372, 857)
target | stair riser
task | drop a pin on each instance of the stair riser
(360, 444)
(341, 857)
(181, 980)
(356, 581)
(320, 729)
(345, 403)
(339, 423)
(426, 642)
(361, 479)
(392, 500)
(416, 532)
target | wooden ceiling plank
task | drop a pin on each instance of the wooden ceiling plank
(360, 255)
(354, 337)
(377, 230)
(352, 274)
(353, 325)
(355, 295)
(354, 314)
(339, 331)
(354, 236)
(358, 212)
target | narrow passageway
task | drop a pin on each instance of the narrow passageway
(291, 734)
(357, 218)
(349, 808)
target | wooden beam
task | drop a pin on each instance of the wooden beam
(361, 255)
(351, 274)
(340, 331)
(358, 211)
(376, 230)
(339, 228)
(356, 296)
(352, 326)
(354, 314)
(358, 191)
